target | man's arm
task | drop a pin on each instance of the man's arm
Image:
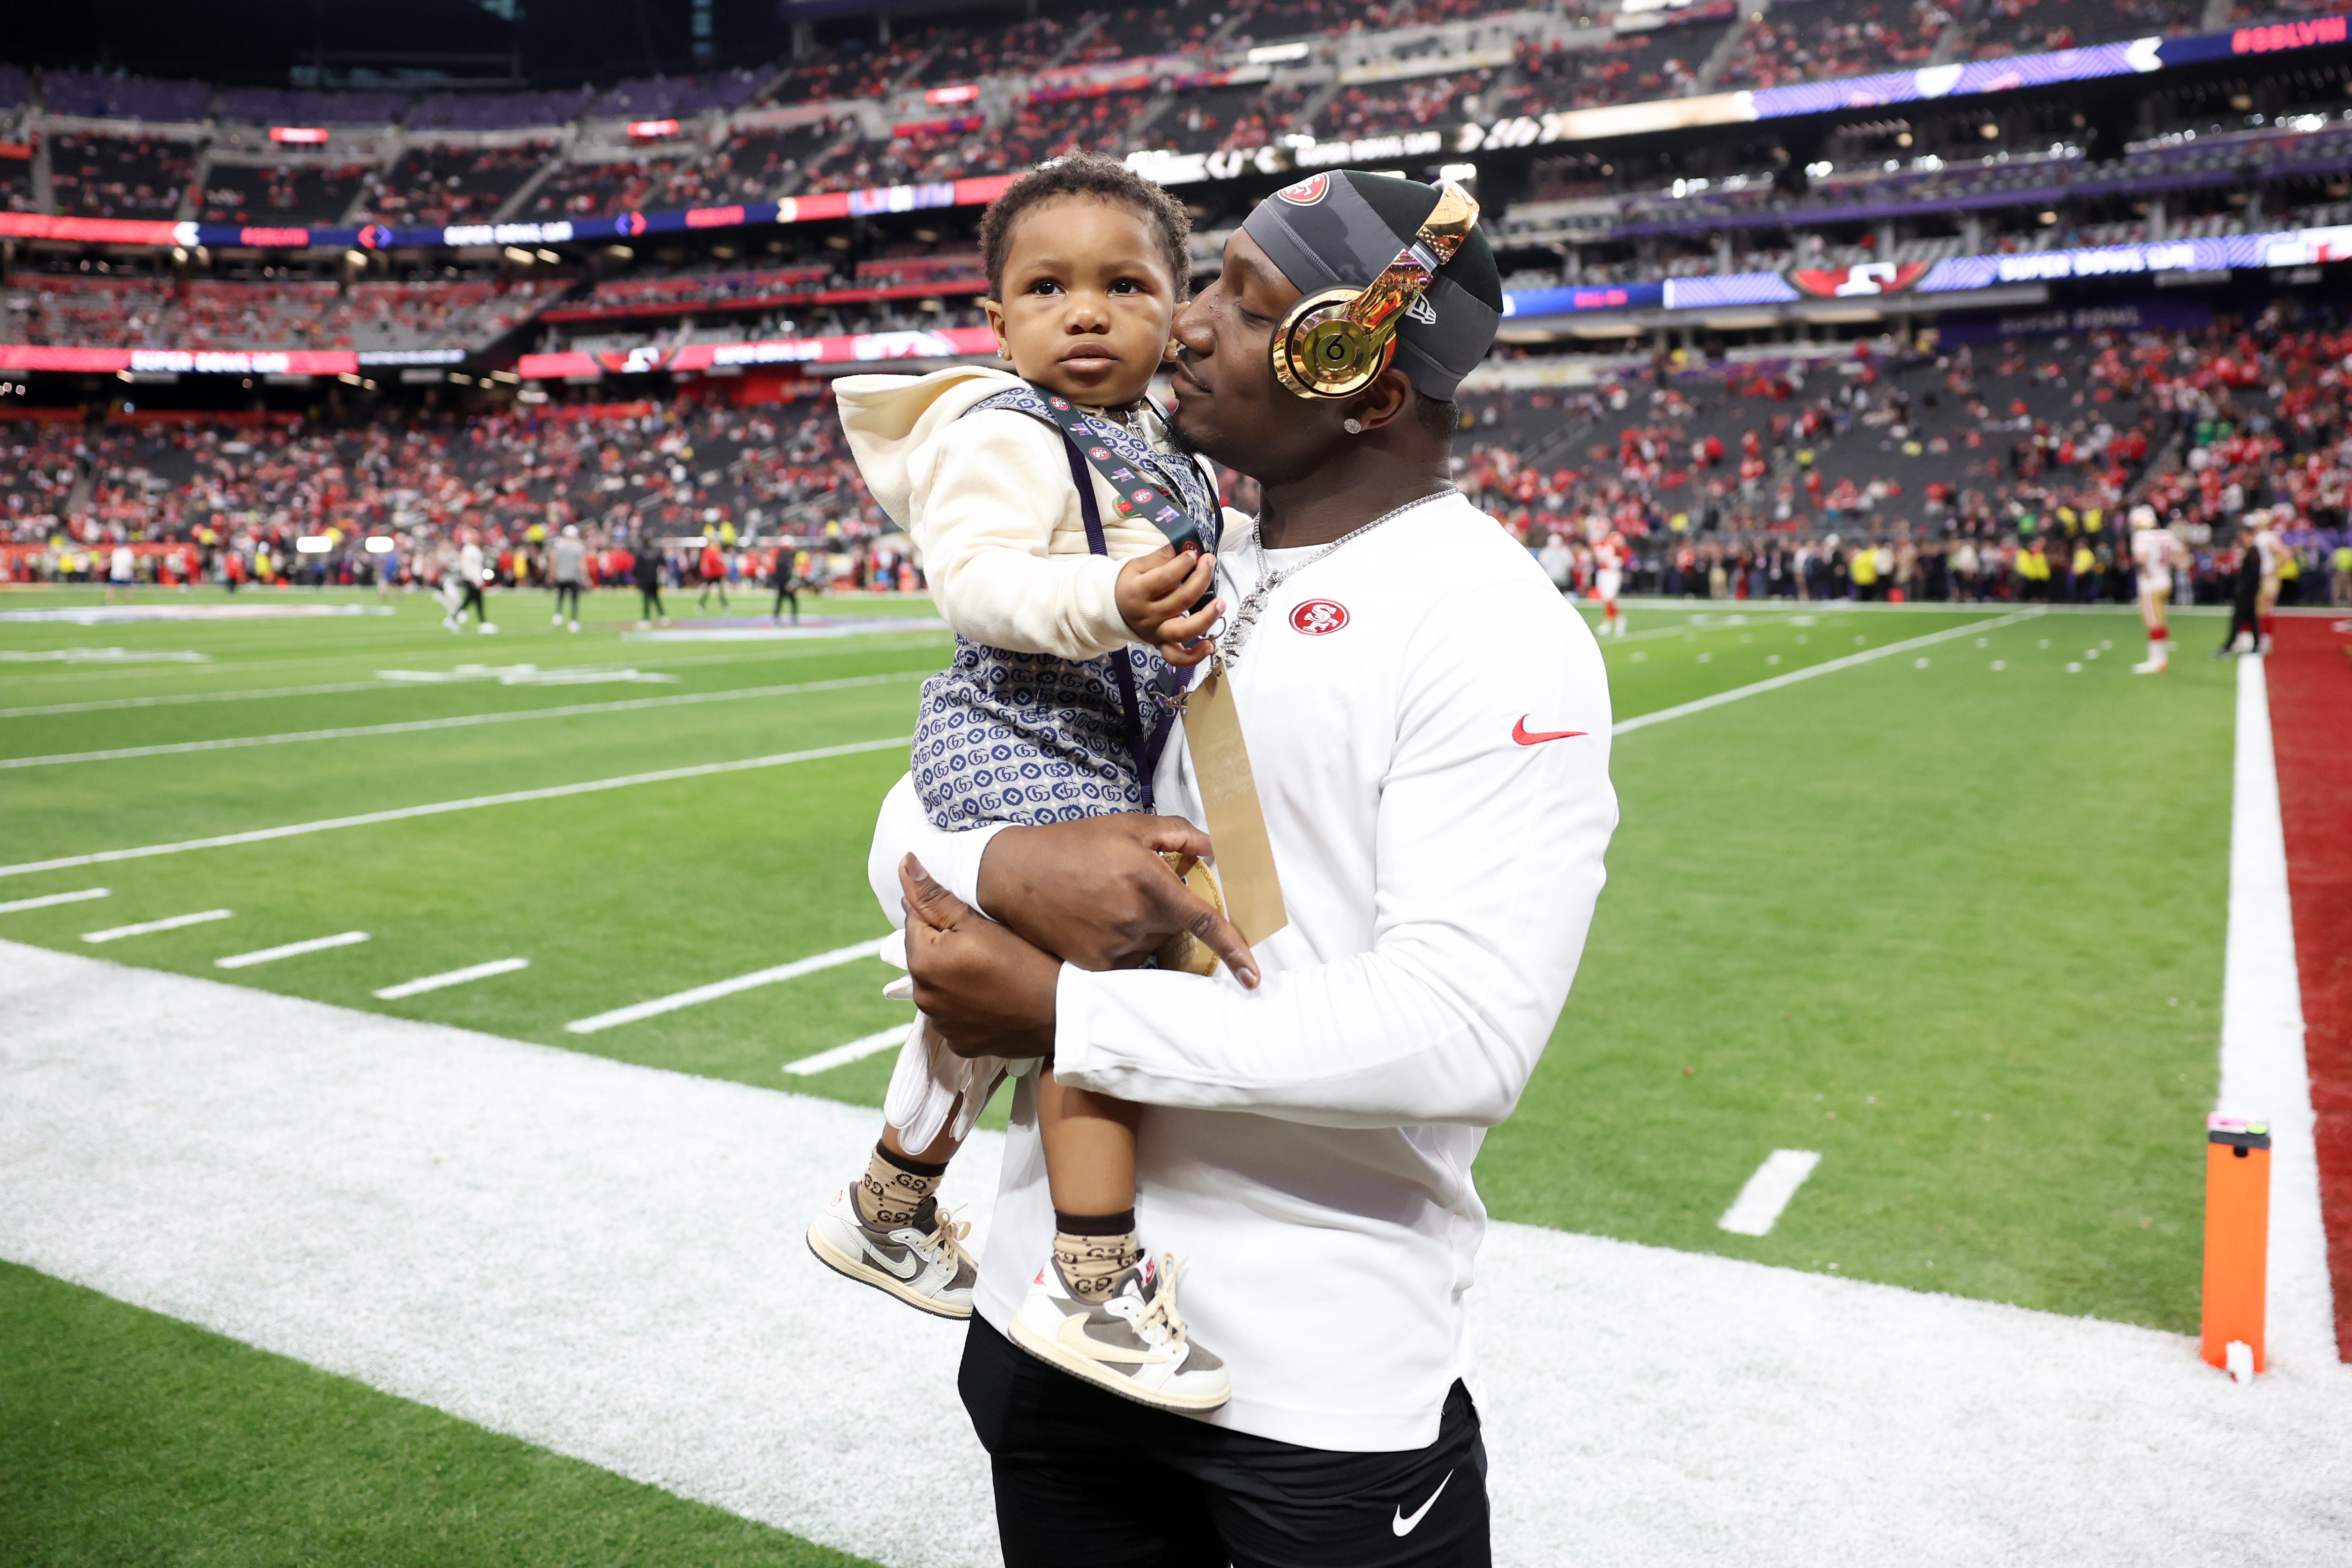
(1489, 854)
(1093, 891)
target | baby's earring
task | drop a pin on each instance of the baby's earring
(1352, 426)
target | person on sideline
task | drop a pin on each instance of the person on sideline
(470, 570)
(710, 565)
(647, 573)
(2155, 553)
(568, 565)
(1429, 755)
(122, 574)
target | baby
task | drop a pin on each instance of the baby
(1044, 504)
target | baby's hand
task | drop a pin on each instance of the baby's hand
(1155, 593)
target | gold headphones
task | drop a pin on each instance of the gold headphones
(1333, 343)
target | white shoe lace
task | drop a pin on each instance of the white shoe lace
(947, 1235)
(1160, 1318)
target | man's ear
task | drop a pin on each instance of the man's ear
(1386, 400)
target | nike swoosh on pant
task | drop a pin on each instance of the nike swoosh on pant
(1404, 1522)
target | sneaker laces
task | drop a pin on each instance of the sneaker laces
(1160, 1311)
(948, 1231)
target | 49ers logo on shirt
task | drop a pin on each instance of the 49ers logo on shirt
(1319, 617)
(1307, 192)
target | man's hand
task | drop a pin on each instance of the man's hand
(1156, 591)
(986, 991)
(1096, 892)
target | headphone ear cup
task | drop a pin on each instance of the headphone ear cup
(1318, 353)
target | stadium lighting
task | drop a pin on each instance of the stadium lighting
(1458, 171)
(314, 544)
(550, 256)
(313, 135)
(517, 253)
(348, 378)
(1275, 54)
(379, 544)
(647, 129)
(963, 92)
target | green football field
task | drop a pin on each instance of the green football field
(1951, 917)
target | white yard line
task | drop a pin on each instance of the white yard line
(436, 808)
(472, 972)
(717, 988)
(1757, 1208)
(2264, 1070)
(841, 1056)
(105, 704)
(145, 928)
(606, 1260)
(1644, 720)
(467, 721)
(290, 949)
(49, 900)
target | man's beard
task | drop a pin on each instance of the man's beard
(1179, 439)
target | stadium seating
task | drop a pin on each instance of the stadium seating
(1812, 40)
(109, 176)
(434, 186)
(275, 194)
(1664, 64)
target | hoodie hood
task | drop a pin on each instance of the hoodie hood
(889, 418)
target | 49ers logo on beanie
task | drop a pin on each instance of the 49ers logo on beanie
(1307, 192)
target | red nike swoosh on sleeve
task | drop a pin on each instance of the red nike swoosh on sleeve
(1526, 737)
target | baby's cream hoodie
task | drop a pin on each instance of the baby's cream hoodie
(986, 496)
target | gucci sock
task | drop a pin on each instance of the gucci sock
(1091, 1251)
(893, 1187)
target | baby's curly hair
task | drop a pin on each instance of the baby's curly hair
(1102, 179)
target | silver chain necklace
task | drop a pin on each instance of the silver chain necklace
(1253, 604)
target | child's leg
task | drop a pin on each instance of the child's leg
(899, 1179)
(1090, 1145)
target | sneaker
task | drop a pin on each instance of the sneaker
(555, 620)
(487, 629)
(1131, 1342)
(922, 1262)
(573, 627)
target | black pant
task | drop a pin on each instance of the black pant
(2244, 604)
(568, 591)
(786, 590)
(1084, 1476)
(649, 605)
(472, 601)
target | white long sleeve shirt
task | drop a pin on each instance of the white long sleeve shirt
(1431, 751)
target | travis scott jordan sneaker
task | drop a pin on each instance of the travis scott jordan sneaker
(1132, 1341)
(922, 1262)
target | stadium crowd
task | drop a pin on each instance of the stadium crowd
(1999, 470)
(229, 500)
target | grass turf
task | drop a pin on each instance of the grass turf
(1958, 928)
(134, 1439)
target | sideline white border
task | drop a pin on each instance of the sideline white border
(2264, 1073)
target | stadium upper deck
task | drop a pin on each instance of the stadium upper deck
(1638, 165)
